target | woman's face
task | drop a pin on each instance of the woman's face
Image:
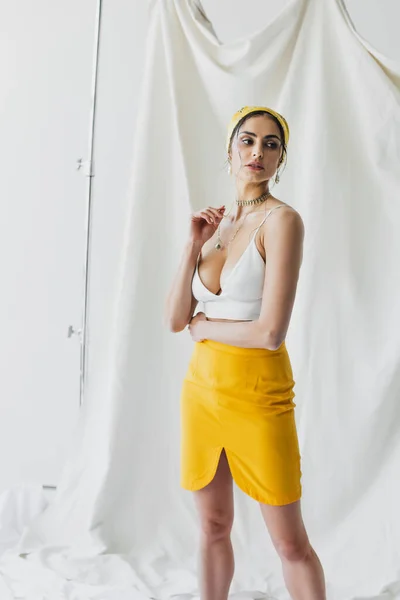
(256, 149)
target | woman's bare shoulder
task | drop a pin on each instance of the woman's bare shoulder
(288, 212)
(286, 221)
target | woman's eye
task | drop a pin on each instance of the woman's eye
(271, 145)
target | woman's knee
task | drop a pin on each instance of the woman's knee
(293, 550)
(216, 525)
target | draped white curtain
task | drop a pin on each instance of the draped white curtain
(120, 517)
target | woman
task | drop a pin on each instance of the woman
(237, 405)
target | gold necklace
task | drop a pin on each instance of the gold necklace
(259, 200)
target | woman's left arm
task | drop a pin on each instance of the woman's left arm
(283, 242)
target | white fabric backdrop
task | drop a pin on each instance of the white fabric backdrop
(119, 518)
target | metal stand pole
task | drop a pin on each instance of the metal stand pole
(89, 171)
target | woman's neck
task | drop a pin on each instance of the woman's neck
(246, 191)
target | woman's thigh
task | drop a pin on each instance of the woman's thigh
(214, 502)
(286, 527)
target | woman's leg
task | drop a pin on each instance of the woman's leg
(215, 507)
(302, 570)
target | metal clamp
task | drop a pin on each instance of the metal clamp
(87, 165)
(72, 331)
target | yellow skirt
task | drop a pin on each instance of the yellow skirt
(241, 400)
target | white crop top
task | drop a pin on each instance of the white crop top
(241, 291)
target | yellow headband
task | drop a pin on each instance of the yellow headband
(246, 110)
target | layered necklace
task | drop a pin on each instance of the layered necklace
(259, 200)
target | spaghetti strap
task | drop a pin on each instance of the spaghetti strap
(272, 209)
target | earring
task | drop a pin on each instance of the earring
(229, 168)
(277, 179)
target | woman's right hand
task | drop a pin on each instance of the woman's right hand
(204, 223)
